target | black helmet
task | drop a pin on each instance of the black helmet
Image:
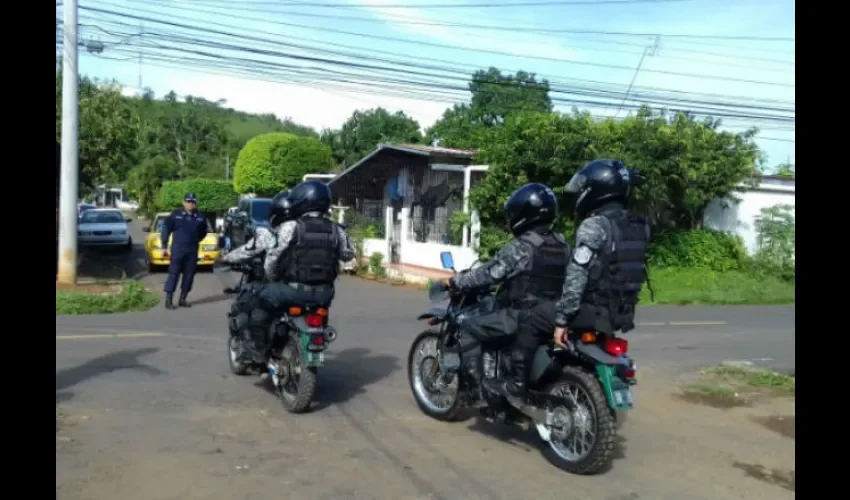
(309, 196)
(597, 183)
(279, 209)
(531, 206)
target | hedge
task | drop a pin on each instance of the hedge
(213, 195)
(270, 163)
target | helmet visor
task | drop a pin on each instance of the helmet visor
(576, 184)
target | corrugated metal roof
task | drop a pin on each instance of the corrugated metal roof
(434, 149)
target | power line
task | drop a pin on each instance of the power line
(562, 60)
(531, 29)
(485, 5)
(650, 98)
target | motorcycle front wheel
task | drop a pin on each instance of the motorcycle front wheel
(437, 399)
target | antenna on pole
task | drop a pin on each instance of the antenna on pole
(648, 51)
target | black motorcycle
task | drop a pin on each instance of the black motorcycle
(576, 398)
(297, 341)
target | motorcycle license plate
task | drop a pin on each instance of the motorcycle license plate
(624, 398)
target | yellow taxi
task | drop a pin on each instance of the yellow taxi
(207, 251)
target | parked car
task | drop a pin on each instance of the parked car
(106, 227)
(250, 213)
(207, 251)
(82, 207)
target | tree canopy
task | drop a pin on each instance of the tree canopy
(213, 195)
(364, 130)
(271, 163)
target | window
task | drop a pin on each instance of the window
(159, 224)
(260, 210)
(101, 217)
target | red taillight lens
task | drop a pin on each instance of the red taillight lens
(616, 347)
(313, 320)
(318, 340)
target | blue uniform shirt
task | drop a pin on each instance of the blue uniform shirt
(188, 229)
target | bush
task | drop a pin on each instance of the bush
(213, 195)
(376, 264)
(776, 227)
(133, 297)
(271, 163)
(701, 249)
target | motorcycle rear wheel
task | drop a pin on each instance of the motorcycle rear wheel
(422, 372)
(298, 390)
(236, 367)
(564, 449)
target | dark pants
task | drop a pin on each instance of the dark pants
(497, 328)
(259, 304)
(183, 262)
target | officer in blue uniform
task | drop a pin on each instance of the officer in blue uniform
(188, 228)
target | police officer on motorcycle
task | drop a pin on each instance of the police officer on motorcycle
(531, 270)
(608, 266)
(302, 248)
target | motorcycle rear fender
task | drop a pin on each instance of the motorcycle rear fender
(300, 323)
(597, 354)
(434, 312)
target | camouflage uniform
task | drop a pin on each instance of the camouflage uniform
(590, 238)
(257, 302)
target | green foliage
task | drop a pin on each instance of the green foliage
(271, 163)
(364, 130)
(145, 181)
(687, 163)
(702, 286)
(213, 195)
(495, 96)
(133, 297)
(701, 249)
(776, 228)
(376, 265)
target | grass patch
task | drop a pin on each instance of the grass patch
(133, 296)
(753, 378)
(682, 286)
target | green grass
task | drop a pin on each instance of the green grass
(133, 297)
(755, 378)
(698, 286)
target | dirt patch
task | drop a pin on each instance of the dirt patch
(730, 386)
(782, 425)
(716, 396)
(782, 478)
(103, 288)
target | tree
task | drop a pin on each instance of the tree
(494, 96)
(108, 133)
(213, 195)
(364, 130)
(687, 163)
(273, 162)
(145, 180)
(786, 170)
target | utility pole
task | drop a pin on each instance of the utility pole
(141, 33)
(69, 174)
(649, 51)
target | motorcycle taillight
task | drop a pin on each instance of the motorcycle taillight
(313, 320)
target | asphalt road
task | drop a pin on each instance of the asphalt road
(151, 411)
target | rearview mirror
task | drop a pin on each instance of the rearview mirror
(146, 229)
(446, 259)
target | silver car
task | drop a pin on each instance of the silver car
(104, 227)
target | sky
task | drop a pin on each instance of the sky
(434, 41)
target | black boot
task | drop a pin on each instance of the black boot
(182, 302)
(514, 387)
(169, 301)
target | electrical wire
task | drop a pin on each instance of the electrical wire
(484, 5)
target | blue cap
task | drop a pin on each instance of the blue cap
(190, 197)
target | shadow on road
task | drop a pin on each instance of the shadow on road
(529, 440)
(112, 263)
(121, 360)
(347, 374)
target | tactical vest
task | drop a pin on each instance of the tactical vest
(617, 276)
(544, 278)
(313, 257)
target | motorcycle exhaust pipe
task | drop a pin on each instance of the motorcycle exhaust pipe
(330, 334)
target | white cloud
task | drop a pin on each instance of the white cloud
(514, 43)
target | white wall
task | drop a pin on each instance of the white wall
(374, 245)
(739, 218)
(428, 255)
